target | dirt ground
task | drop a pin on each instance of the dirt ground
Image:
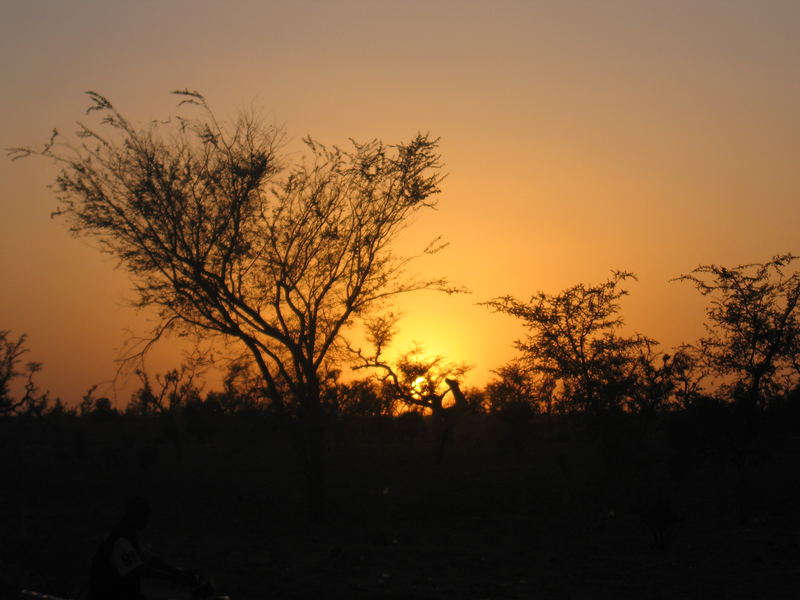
(558, 520)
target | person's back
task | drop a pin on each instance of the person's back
(115, 565)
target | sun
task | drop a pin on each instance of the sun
(418, 386)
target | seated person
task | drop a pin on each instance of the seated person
(120, 563)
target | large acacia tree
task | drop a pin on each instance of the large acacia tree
(223, 232)
(753, 328)
(573, 340)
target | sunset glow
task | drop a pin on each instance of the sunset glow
(578, 138)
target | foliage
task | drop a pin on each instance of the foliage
(573, 341)
(753, 331)
(664, 381)
(360, 398)
(97, 409)
(517, 386)
(417, 380)
(222, 234)
(32, 401)
(171, 392)
(687, 374)
(243, 389)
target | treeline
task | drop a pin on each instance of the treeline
(225, 233)
(573, 361)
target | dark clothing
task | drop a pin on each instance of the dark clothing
(114, 567)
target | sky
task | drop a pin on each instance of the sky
(578, 137)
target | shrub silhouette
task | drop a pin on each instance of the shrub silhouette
(224, 233)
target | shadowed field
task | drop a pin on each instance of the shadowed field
(572, 515)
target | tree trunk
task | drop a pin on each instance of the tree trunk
(308, 432)
(443, 424)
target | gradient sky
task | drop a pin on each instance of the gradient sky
(578, 137)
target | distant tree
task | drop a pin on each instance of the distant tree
(361, 398)
(416, 380)
(31, 400)
(98, 409)
(515, 387)
(143, 402)
(573, 340)
(58, 410)
(243, 389)
(753, 330)
(688, 374)
(166, 400)
(660, 381)
(222, 234)
(515, 395)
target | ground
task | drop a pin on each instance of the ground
(559, 517)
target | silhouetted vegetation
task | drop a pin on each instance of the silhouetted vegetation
(573, 341)
(595, 463)
(753, 327)
(225, 235)
(29, 399)
(417, 382)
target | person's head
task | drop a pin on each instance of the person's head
(137, 512)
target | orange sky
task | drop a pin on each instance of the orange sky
(578, 137)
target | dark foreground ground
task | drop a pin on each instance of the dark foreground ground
(567, 517)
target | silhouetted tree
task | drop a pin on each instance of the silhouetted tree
(517, 386)
(166, 400)
(31, 401)
(58, 410)
(223, 235)
(660, 380)
(515, 395)
(753, 344)
(143, 402)
(753, 327)
(573, 340)
(688, 373)
(416, 380)
(243, 389)
(362, 398)
(97, 409)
